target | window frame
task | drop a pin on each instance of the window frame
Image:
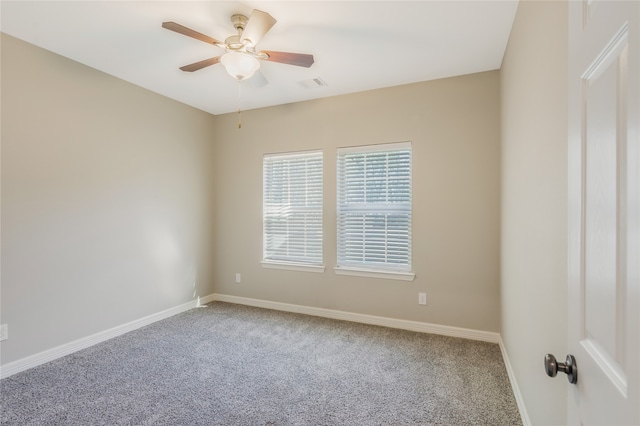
(269, 258)
(375, 269)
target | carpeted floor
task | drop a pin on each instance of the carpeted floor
(229, 364)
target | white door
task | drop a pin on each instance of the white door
(604, 213)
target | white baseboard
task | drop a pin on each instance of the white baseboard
(524, 415)
(31, 361)
(423, 327)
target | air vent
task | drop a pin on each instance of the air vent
(314, 83)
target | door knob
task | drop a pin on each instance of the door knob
(569, 367)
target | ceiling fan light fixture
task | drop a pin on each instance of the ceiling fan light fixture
(240, 65)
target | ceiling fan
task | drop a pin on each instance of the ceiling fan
(241, 59)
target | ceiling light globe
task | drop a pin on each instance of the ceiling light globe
(240, 65)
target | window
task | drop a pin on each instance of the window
(292, 210)
(374, 210)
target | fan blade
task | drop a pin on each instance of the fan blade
(259, 23)
(202, 64)
(257, 81)
(189, 32)
(298, 59)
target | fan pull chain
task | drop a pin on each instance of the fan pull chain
(239, 98)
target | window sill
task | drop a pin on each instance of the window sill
(369, 273)
(293, 266)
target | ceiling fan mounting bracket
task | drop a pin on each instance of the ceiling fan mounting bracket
(239, 22)
(235, 43)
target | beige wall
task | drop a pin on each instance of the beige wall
(454, 126)
(534, 198)
(106, 201)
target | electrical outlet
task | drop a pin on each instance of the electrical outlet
(238, 278)
(422, 298)
(4, 332)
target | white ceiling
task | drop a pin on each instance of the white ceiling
(357, 45)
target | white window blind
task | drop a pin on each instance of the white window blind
(374, 207)
(292, 208)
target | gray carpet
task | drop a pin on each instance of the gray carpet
(229, 364)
